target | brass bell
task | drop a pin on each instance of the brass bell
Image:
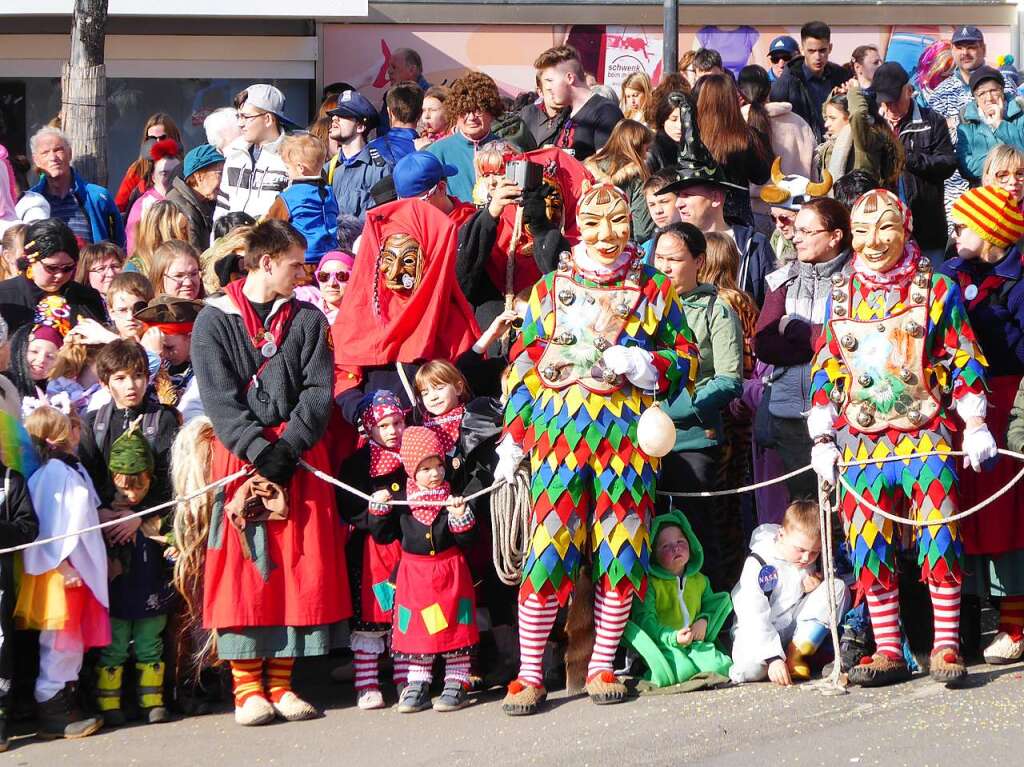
(552, 373)
(838, 280)
(563, 261)
(839, 311)
(865, 380)
(880, 327)
(566, 296)
(565, 338)
(609, 376)
(836, 395)
(924, 265)
(838, 295)
(906, 376)
(914, 416)
(921, 280)
(622, 309)
(914, 329)
(865, 419)
(849, 342)
(602, 344)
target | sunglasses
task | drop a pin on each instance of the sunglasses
(55, 271)
(325, 277)
(161, 137)
(784, 219)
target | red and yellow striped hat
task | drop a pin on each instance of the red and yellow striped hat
(992, 214)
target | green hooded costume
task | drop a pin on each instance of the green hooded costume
(654, 622)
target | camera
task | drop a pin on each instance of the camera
(524, 174)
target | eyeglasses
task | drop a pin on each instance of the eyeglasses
(108, 269)
(989, 93)
(339, 277)
(55, 271)
(245, 118)
(811, 232)
(785, 219)
(181, 279)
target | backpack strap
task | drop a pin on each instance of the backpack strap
(376, 157)
(102, 422)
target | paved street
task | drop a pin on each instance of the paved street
(919, 723)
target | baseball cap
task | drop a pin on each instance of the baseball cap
(268, 99)
(967, 34)
(888, 82)
(418, 172)
(783, 44)
(981, 74)
(356, 106)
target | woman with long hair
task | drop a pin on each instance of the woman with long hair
(663, 114)
(163, 221)
(864, 61)
(621, 161)
(636, 95)
(792, 139)
(139, 176)
(742, 151)
(858, 139)
(174, 270)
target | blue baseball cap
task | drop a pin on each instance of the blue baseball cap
(356, 106)
(783, 44)
(418, 172)
(203, 156)
(967, 34)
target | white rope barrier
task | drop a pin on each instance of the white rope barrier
(738, 490)
(369, 499)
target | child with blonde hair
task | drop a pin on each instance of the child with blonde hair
(63, 592)
(308, 203)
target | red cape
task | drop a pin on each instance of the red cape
(433, 322)
(569, 173)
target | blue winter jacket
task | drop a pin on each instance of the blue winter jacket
(314, 212)
(974, 138)
(104, 217)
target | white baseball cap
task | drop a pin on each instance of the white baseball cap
(269, 99)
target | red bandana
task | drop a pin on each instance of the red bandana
(266, 340)
(446, 427)
(988, 286)
(426, 515)
(383, 461)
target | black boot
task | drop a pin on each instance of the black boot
(5, 739)
(60, 717)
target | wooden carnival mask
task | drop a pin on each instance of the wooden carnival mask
(879, 229)
(604, 222)
(401, 263)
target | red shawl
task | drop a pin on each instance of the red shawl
(433, 322)
(570, 175)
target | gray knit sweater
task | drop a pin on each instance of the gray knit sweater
(295, 387)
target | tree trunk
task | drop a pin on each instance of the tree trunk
(84, 91)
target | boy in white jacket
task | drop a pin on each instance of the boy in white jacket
(780, 601)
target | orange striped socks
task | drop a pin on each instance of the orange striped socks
(246, 679)
(1011, 616)
(279, 677)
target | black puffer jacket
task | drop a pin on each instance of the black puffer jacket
(792, 88)
(929, 159)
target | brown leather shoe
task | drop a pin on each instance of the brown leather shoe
(604, 688)
(523, 698)
(946, 666)
(878, 671)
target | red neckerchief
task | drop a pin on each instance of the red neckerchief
(446, 427)
(988, 286)
(426, 515)
(259, 335)
(382, 460)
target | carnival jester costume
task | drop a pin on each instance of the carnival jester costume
(601, 335)
(897, 355)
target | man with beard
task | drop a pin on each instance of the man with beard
(357, 167)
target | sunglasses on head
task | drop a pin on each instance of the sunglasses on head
(324, 277)
(54, 271)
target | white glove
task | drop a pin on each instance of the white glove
(633, 362)
(972, 405)
(979, 446)
(820, 420)
(510, 455)
(824, 457)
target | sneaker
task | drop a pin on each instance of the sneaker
(60, 717)
(255, 711)
(292, 708)
(453, 697)
(415, 697)
(1004, 649)
(370, 699)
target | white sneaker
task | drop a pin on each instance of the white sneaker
(292, 708)
(370, 699)
(255, 711)
(1004, 649)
